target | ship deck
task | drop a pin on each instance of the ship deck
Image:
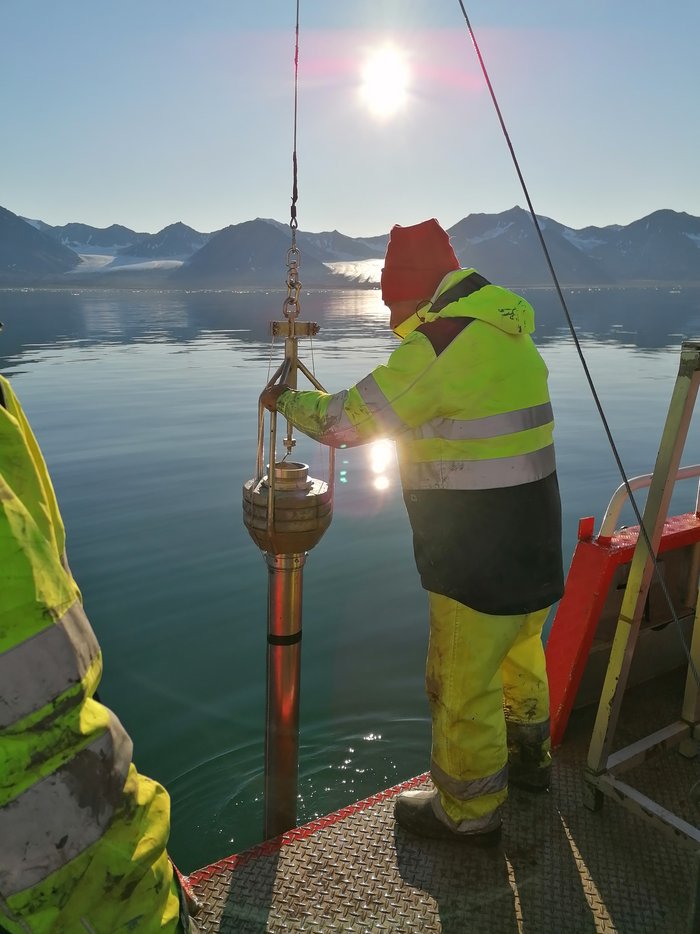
(561, 869)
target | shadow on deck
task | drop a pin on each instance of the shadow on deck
(561, 869)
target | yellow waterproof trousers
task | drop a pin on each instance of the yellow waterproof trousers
(482, 669)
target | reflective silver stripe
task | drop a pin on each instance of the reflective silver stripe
(528, 734)
(338, 429)
(380, 407)
(491, 426)
(489, 821)
(45, 665)
(473, 787)
(63, 814)
(490, 474)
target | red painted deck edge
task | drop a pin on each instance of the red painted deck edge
(270, 847)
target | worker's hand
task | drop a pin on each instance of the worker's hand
(271, 394)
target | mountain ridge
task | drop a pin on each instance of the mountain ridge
(662, 247)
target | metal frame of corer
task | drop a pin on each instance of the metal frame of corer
(286, 512)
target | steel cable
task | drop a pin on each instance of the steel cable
(574, 335)
(295, 189)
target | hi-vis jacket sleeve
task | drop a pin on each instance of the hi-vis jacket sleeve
(82, 834)
(393, 398)
(32, 486)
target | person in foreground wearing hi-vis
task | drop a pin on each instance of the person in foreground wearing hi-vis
(82, 834)
(465, 398)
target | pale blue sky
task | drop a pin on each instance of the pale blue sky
(145, 112)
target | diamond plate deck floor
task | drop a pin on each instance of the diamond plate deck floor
(561, 869)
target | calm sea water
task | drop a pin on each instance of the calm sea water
(145, 406)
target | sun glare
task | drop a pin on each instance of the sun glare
(381, 454)
(385, 81)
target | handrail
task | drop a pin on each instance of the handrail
(617, 501)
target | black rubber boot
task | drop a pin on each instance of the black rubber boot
(529, 756)
(421, 813)
(529, 777)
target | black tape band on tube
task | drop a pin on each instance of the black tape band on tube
(285, 640)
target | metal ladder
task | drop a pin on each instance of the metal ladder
(604, 766)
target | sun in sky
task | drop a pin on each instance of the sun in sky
(385, 81)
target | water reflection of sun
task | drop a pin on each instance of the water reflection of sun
(381, 455)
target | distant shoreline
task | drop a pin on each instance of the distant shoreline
(132, 286)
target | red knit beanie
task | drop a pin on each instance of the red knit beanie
(417, 258)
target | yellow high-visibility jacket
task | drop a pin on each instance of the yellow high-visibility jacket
(465, 397)
(82, 833)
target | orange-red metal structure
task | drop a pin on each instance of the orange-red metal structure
(593, 567)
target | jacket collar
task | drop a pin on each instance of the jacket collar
(424, 314)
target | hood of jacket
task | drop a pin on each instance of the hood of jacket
(491, 303)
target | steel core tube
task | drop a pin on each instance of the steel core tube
(283, 678)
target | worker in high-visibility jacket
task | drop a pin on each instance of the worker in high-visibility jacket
(82, 833)
(465, 397)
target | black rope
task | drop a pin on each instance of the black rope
(562, 300)
(295, 189)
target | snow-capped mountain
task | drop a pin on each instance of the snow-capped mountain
(177, 241)
(251, 253)
(663, 247)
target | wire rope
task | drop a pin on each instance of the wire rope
(577, 344)
(295, 187)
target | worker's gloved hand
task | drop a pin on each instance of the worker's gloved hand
(271, 394)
